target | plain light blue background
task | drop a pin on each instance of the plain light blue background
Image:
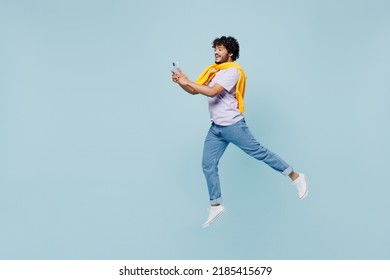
(100, 152)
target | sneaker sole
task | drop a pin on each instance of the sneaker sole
(205, 225)
(304, 196)
(307, 190)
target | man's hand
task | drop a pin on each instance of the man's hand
(182, 80)
(179, 78)
(175, 77)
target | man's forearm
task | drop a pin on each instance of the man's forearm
(188, 89)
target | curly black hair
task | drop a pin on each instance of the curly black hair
(230, 43)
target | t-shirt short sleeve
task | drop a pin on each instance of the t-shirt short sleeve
(227, 78)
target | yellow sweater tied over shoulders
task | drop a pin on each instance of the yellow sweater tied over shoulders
(209, 73)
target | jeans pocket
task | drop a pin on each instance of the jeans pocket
(242, 123)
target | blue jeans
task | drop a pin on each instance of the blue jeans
(217, 140)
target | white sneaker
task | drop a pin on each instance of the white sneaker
(301, 184)
(214, 213)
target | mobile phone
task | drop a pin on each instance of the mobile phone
(175, 67)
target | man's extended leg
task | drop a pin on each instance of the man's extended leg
(240, 135)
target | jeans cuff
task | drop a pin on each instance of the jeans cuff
(216, 201)
(287, 171)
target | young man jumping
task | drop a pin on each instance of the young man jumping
(224, 84)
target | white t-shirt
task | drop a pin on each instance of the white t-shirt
(223, 107)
